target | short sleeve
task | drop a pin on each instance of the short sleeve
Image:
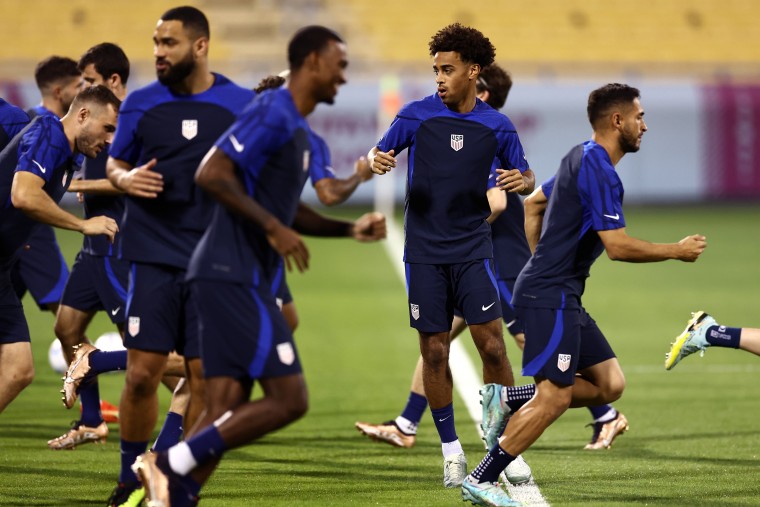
(41, 149)
(400, 134)
(548, 186)
(601, 192)
(320, 164)
(511, 154)
(126, 144)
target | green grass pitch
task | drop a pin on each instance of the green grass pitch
(694, 438)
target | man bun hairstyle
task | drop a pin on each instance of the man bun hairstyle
(108, 59)
(308, 40)
(603, 99)
(471, 44)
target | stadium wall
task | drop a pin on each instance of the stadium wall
(702, 142)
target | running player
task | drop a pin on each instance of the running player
(165, 129)
(35, 169)
(39, 272)
(453, 138)
(583, 218)
(256, 171)
(702, 331)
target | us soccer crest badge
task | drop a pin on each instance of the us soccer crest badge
(134, 326)
(457, 142)
(563, 362)
(189, 129)
(415, 311)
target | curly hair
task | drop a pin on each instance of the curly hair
(498, 82)
(601, 100)
(471, 44)
(269, 83)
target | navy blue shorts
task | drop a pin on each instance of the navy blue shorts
(560, 342)
(435, 290)
(243, 333)
(514, 326)
(13, 327)
(41, 268)
(280, 288)
(98, 283)
(159, 316)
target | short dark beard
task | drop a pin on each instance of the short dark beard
(627, 146)
(177, 73)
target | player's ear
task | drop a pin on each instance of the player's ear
(474, 71)
(114, 81)
(83, 114)
(617, 120)
(201, 46)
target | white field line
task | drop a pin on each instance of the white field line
(467, 380)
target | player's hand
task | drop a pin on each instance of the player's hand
(288, 243)
(383, 162)
(142, 181)
(361, 167)
(96, 226)
(80, 197)
(692, 247)
(369, 227)
(510, 180)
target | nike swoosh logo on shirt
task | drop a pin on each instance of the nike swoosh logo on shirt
(616, 216)
(236, 144)
(115, 310)
(484, 307)
(38, 165)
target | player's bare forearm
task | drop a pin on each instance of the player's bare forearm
(28, 195)
(529, 180)
(497, 201)
(332, 191)
(621, 247)
(141, 181)
(99, 187)
(311, 223)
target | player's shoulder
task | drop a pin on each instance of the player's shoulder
(12, 114)
(231, 94)
(594, 155)
(317, 143)
(275, 107)
(423, 108)
(144, 98)
(493, 118)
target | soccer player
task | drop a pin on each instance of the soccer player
(98, 278)
(453, 138)
(510, 255)
(565, 351)
(35, 169)
(702, 331)
(59, 80)
(330, 190)
(256, 171)
(165, 130)
(607, 422)
(43, 275)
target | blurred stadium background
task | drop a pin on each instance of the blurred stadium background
(697, 63)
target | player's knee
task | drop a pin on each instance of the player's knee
(435, 354)
(493, 351)
(613, 389)
(19, 378)
(297, 406)
(66, 333)
(141, 382)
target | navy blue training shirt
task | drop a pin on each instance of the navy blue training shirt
(450, 156)
(12, 120)
(587, 197)
(510, 246)
(43, 150)
(320, 166)
(177, 130)
(271, 148)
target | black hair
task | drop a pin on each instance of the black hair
(269, 83)
(54, 69)
(308, 40)
(471, 44)
(193, 20)
(601, 100)
(108, 59)
(497, 81)
(99, 95)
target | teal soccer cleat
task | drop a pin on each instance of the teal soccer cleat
(495, 414)
(691, 340)
(486, 493)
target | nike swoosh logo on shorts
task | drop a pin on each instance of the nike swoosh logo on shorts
(115, 310)
(616, 216)
(484, 307)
